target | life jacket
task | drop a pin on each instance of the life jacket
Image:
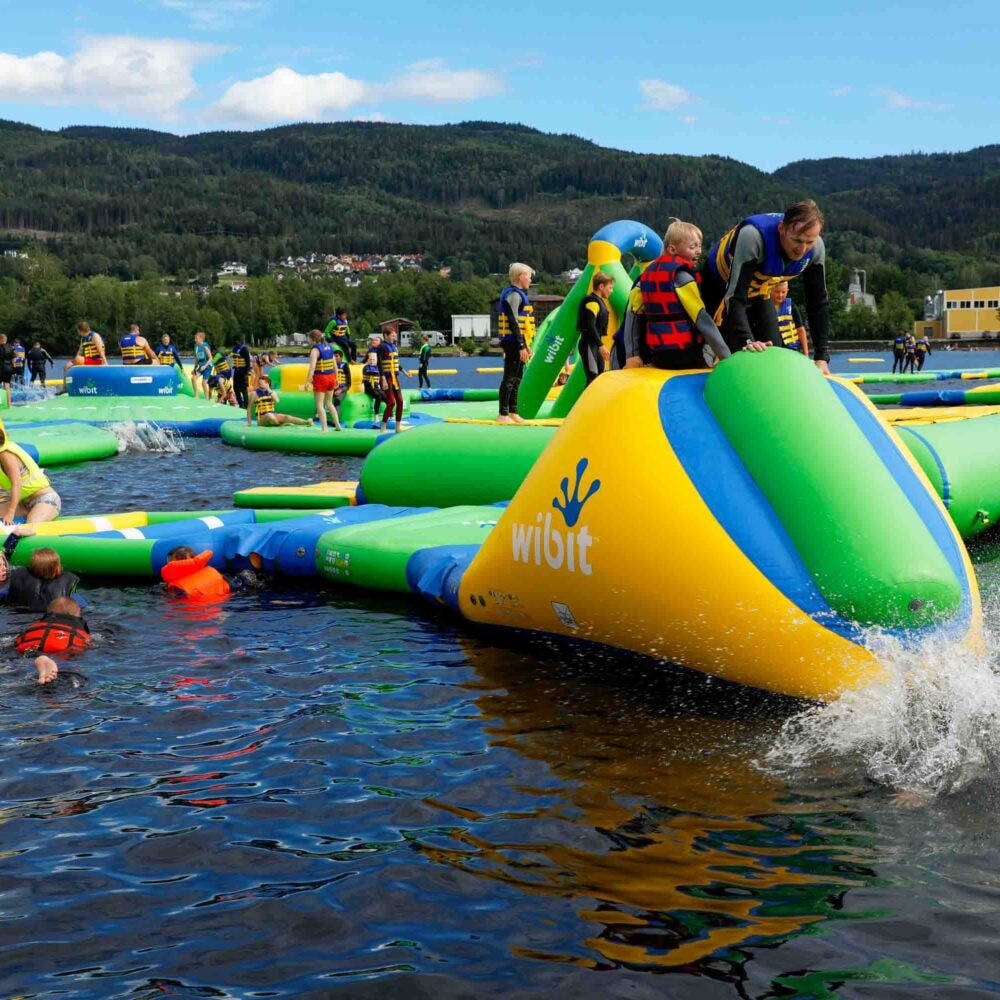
(239, 359)
(167, 354)
(899, 343)
(370, 375)
(425, 354)
(54, 634)
(325, 363)
(265, 401)
(525, 317)
(33, 478)
(668, 326)
(88, 348)
(342, 373)
(18, 360)
(600, 317)
(25, 590)
(203, 355)
(195, 578)
(221, 366)
(132, 353)
(774, 269)
(911, 345)
(388, 362)
(786, 326)
(922, 346)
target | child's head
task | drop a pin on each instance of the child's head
(45, 564)
(684, 239)
(601, 280)
(316, 336)
(180, 552)
(83, 328)
(338, 354)
(265, 381)
(64, 606)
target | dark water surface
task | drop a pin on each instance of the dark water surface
(314, 793)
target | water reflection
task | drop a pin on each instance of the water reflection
(673, 845)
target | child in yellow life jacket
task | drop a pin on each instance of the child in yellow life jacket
(62, 630)
(192, 576)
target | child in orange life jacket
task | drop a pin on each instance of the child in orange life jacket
(192, 576)
(62, 630)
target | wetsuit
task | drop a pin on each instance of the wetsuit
(388, 366)
(37, 359)
(516, 326)
(6, 363)
(241, 361)
(371, 381)
(923, 348)
(898, 352)
(910, 360)
(423, 361)
(739, 273)
(592, 325)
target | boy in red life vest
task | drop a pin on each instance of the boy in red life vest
(192, 576)
(61, 631)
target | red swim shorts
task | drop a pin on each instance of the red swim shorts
(324, 382)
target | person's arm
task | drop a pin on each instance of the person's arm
(818, 306)
(48, 357)
(689, 296)
(587, 326)
(929, 347)
(251, 403)
(12, 467)
(149, 352)
(748, 254)
(633, 329)
(800, 329)
(99, 344)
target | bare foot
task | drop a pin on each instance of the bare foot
(384, 428)
(24, 530)
(505, 419)
(47, 669)
(517, 418)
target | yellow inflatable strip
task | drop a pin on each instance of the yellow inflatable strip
(87, 525)
(865, 361)
(438, 371)
(489, 371)
(549, 422)
(970, 375)
(337, 487)
(936, 414)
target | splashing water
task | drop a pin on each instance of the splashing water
(147, 436)
(931, 727)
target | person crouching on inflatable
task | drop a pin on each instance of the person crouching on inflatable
(24, 489)
(191, 575)
(261, 403)
(61, 631)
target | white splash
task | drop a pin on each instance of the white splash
(147, 436)
(931, 727)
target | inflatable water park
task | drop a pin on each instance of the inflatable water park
(760, 522)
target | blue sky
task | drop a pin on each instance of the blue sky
(730, 78)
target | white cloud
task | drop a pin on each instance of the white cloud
(895, 101)
(663, 96)
(150, 76)
(213, 14)
(286, 95)
(688, 119)
(841, 91)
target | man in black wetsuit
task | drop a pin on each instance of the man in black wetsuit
(592, 325)
(37, 359)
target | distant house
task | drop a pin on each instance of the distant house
(573, 274)
(238, 286)
(233, 267)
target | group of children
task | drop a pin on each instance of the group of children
(908, 353)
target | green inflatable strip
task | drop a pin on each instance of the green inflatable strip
(448, 464)
(80, 554)
(958, 457)
(64, 444)
(125, 409)
(304, 440)
(831, 491)
(374, 555)
(354, 406)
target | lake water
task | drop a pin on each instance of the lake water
(312, 793)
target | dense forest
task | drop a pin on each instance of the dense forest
(140, 206)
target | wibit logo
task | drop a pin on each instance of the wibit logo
(540, 541)
(89, 389)
(640, 241)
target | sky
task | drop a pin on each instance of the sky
(805, 81)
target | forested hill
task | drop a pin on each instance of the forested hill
(133, 201)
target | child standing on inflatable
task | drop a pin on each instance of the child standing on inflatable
(388, 366)
(322, 379)
(516, 326)
(423, 361)
(923, 349)
(910, 350)
(263, 400)
(592, 325)
(371, 378)
(202, 365)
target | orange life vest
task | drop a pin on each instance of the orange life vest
(668, 326)
(195, 578)
(54, 634)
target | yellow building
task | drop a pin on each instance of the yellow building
(968, 312)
